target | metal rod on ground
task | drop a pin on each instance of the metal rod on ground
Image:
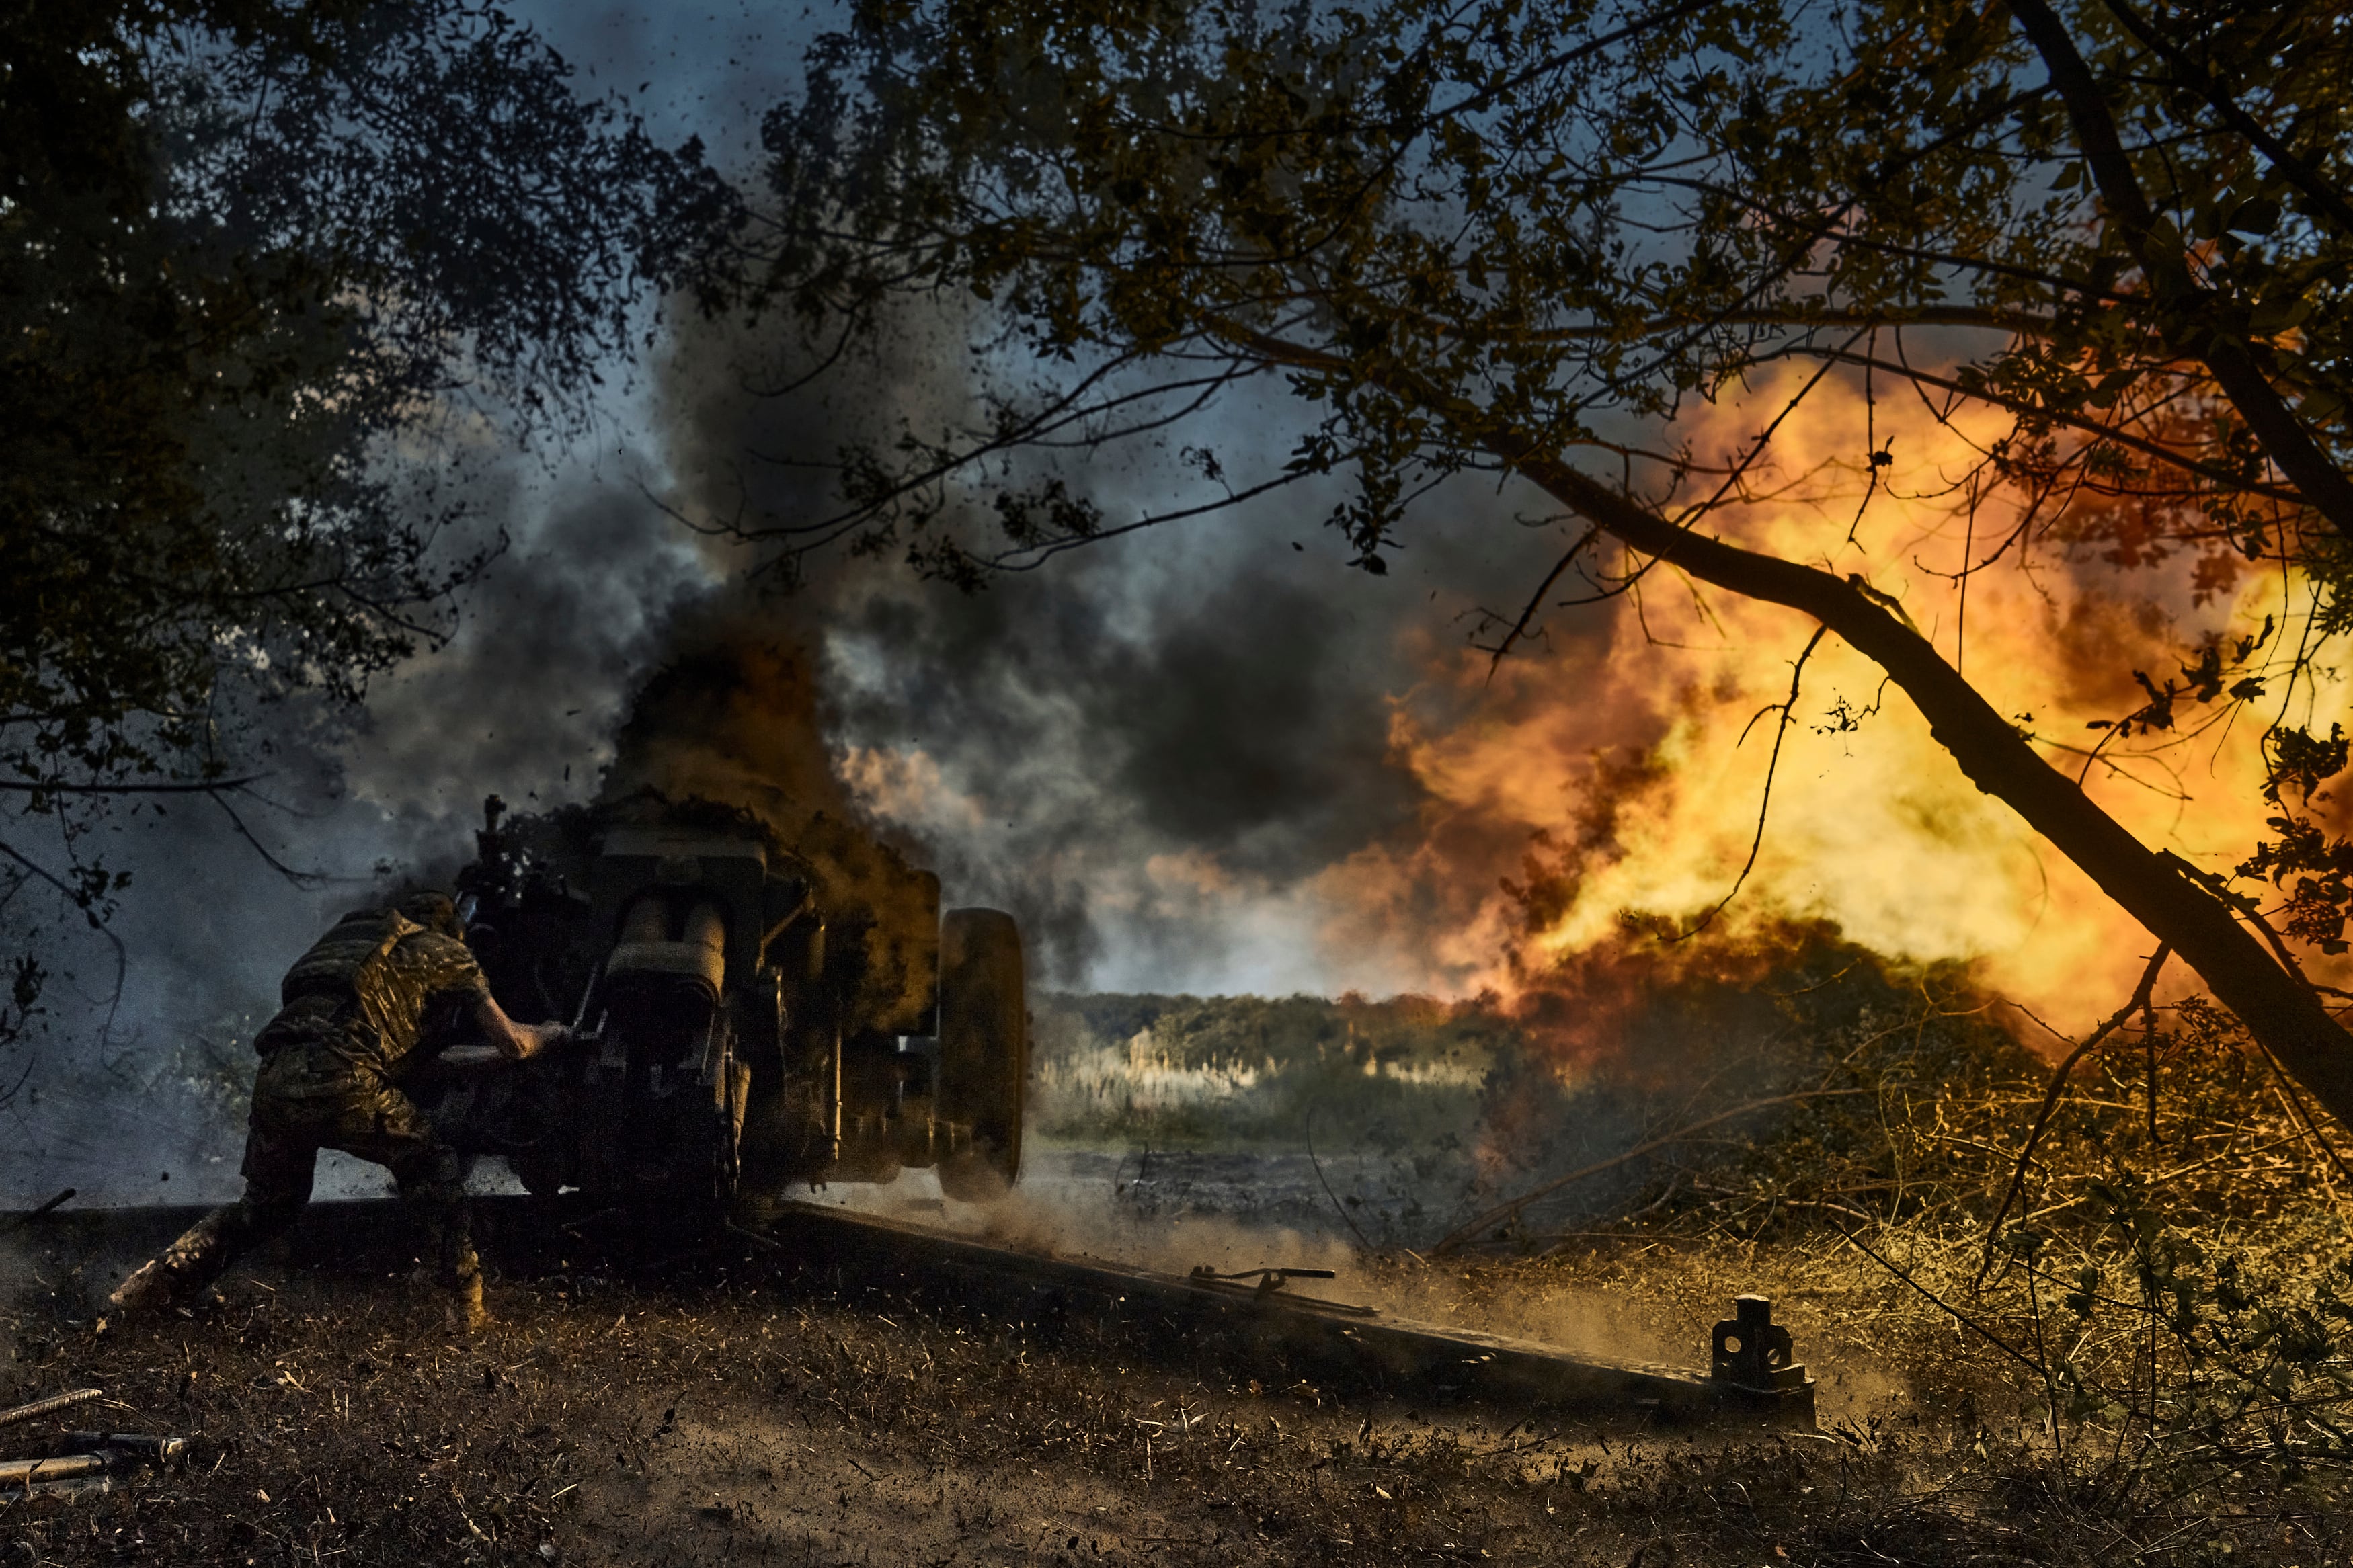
(55, 1402)
(18, 1472)
(1311, 1337)
(55, 1204)
(162, 1448)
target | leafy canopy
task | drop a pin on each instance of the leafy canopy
(251, 252)
(1575, 213)
(269, 270)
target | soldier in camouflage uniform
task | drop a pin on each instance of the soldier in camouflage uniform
(376, 996)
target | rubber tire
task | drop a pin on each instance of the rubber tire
(542, 1177)
(984, 1049)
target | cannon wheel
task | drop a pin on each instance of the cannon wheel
(541, 1175)
(984, 1049)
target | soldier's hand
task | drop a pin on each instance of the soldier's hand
(536, 1038)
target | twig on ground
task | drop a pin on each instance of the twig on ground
(1328, 1193)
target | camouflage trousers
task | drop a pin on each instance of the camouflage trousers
(306, 1099)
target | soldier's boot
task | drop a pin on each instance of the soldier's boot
(467, 1314)
(460, 1267)
(150, 1288)
(184, 1269)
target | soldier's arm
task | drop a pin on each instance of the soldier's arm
(452, 971)
(518, 1040)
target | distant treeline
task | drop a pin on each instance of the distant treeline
(1191, 1071)
(1221, 1031)
(1623, 1046)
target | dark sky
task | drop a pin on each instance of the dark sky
(707, 70)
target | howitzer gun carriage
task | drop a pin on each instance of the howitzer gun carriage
(744, 1016)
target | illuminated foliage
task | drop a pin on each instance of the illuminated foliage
(1572, 213)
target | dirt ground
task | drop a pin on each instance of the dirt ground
(725, 1405)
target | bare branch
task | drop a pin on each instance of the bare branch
(37, 786)
(1764, 800)
(2139, 1001)
(2324, 485)
(1535, 601)
(1453, 1240)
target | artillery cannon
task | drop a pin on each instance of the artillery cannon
(743, 1020)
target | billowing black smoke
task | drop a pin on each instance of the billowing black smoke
(1149, 748)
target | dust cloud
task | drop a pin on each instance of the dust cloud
(1090, 1219)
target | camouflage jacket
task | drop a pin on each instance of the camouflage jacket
(373, 990)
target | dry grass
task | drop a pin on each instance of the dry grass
(719, 1406)
(2141, 1326)
(725, 1408)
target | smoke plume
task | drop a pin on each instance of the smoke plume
(732, 717)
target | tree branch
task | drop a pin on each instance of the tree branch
(2141, 444)
(2325, 486)
(2019, 322)
(1535, 601)
(2140, 1000)
(1453, 1240)
(294, 875)
(1765, 801)
(2299, 172)
(37, 786)
(121, 954)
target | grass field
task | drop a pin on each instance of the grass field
(2125, 1343)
